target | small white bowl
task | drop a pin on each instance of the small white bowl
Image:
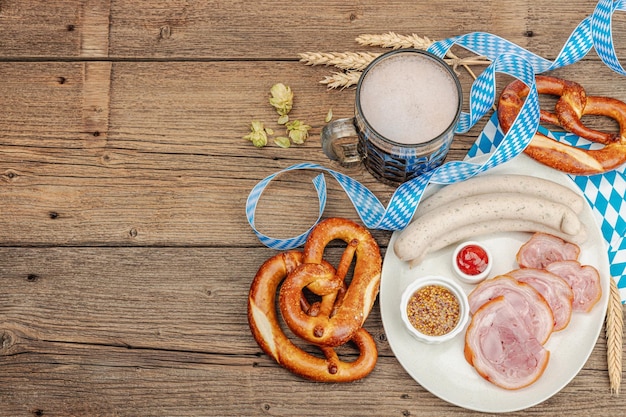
(468, 278)
(444, 282)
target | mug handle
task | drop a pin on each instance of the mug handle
(339, 142)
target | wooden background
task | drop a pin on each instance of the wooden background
(125, 255)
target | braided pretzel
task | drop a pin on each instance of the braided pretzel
(263, 322)
(572, 104)
(348, 315)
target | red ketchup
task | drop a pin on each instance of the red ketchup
(472, 260)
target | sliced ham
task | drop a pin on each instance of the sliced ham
(542, 249)
(584, 281)
(530, 306)
(500, 347)
(554, 289)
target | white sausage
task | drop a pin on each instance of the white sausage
(415, 240)
(504, 183)
(488, 227)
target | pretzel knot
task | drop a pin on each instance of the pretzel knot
(572, 105)
(335, 319)
(351, 311)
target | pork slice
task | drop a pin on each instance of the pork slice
(542, 249)
(584, 281)
(500, 347)
(554, 289)
(530, 306)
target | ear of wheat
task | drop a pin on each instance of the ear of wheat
(394, 41)
(342, 80)
(350, 61)
(614, 331)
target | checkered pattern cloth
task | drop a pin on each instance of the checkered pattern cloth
(603, 192)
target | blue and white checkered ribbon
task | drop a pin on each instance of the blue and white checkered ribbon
(595, 31)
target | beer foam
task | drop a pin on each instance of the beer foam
(409, 98)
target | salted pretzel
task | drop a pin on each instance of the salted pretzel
(573, 103)
(349, 315)
(264, 323)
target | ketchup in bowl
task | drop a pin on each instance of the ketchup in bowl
(472, 259)
(472, 262)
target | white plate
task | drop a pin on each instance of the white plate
(442, 369)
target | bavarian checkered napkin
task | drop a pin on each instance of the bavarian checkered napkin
(593, 32)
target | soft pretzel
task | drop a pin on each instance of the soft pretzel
(349, 315)
(573, 103)
(263, 320)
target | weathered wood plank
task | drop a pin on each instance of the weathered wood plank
(62, 380)
(236, 29)
(40, 28)
(251, 30)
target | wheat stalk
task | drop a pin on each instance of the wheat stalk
(342, 79)
(614, 331)
(343, 60)
(395, 41)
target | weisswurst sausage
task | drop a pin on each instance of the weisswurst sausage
(415, 241)
(503, 183)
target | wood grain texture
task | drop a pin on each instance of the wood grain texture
(125, 254)
(215, 29)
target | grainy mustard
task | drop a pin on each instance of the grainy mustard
(433, 310)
